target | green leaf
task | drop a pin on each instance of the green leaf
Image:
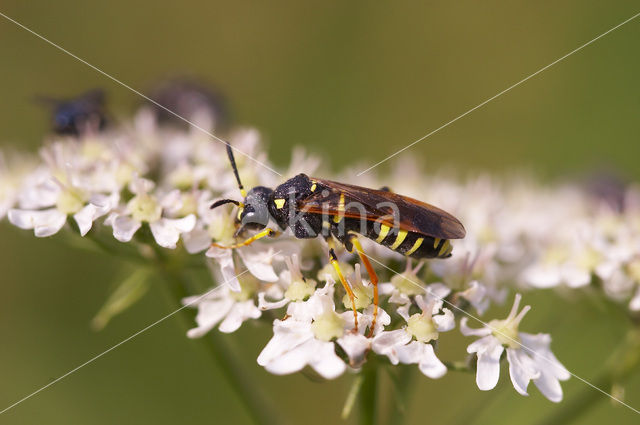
(125, 295)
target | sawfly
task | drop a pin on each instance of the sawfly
(312, 207)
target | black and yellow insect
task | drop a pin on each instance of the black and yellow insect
(313, 207)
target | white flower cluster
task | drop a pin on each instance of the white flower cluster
(153, 184)
(526, 234)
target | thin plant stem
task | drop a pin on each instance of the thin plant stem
(356, 385)
(403, 379)
(369, 394)
(170, 270)
(245, 388)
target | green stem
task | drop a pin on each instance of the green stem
(369, 394)
(245, 388)
(459, 366)
(356, 385)
(403, 377)
(620, 366)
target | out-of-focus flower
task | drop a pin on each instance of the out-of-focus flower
(66, 186)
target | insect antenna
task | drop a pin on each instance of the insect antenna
(235, 170)
(224, 202)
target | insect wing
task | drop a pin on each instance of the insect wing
(391, 209)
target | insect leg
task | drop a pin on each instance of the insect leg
(336, 266)
(374, 280)
(252, 239)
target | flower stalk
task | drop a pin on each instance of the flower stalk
(368, 405)
(245, 388)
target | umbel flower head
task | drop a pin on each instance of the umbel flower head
(150, 185)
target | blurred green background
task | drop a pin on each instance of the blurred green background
(353, 81)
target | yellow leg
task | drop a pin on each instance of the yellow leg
(336, 266)
(252, 239)
(374, 280)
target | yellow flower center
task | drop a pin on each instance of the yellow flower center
(144, 208)
(299, 290)
(70, 201)
(189, 205)
(248, 288)
(364, 296)
(346, 268)
(634, 270)
(589, 259)
(221, 229)
(93, 150)
(182, 178)
(408, 283)
(124, 173)
(328, 326)
(556, 255)
(506, 331)
(422, 328)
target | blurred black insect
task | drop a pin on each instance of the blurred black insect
(77, 116)
(185, 99)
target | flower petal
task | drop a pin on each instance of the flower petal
(287, 335)
(196, 241)
(430, 365)
(549, 386)
(355, 345)
(43, 222)
(210, 313)
(290, 348)
(166, 231)
(445, 321)
(238, 314)
(488, 350)
(224, 257)
(467, 331)
(124, 227)
(634, 304)
(258, 261)
(263, 304)
(521, 370)
(325, 361)
(387, 343)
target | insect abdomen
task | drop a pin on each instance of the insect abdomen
(411, 244)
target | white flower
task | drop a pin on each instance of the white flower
(404, 285)
(223, 306)
(477, 296)
(258, 258)
(412, 343)
(624, 283)
(305, 337)
(293, 286)
(60, 201)
(144, 207)
(14, 172)
(361, 290)
(308, 335)
(529, 356)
